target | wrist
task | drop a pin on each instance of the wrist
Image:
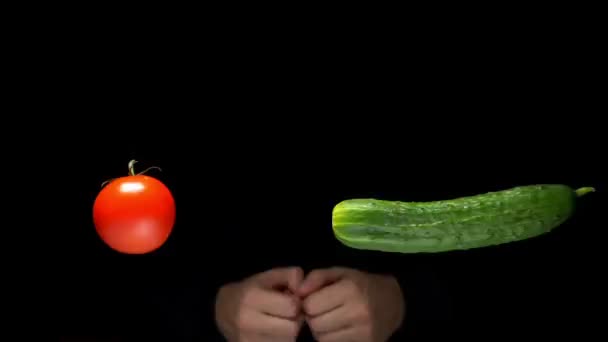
(397, 299)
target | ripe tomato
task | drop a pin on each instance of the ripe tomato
(134, 214)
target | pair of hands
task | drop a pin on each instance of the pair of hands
(338, 304)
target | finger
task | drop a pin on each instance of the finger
(338, 319)
(326, 299)
(278, 277)
(319, 278)
(273, 303)
(301, 320)
(294, 279)
(259, 338)
(269, 338)
(255, 322)
(349, 334)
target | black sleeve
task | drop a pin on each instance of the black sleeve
(188, 305)
(202, 265)
(428, 305)
(189, 315)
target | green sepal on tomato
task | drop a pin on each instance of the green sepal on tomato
(134, 214)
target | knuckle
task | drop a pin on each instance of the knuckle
(243, 320)
(364, 314)
(367, 332)
(351, 286)
(240, 320)
(315, 275)
(308, 306)
(292, 309)
(290, 330)
(293, 329)
(313, 324)
(317, 334)
(249, 293)
(246, 294)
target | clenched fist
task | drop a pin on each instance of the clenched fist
(343, 304)
(262, 307)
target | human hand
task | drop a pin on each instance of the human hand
(344, 304)
(261, 307)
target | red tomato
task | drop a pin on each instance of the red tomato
(134, 214)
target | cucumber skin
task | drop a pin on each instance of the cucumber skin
(483, 220)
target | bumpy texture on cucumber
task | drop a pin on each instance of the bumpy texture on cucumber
(492, 218)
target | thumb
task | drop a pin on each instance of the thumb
(319, 278)
(280, 277)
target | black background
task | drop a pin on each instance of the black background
(284, 199)
(415, 139)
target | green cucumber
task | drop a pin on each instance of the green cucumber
(482, 220)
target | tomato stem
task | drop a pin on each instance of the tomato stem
(132, 171)
(131, 167)
(150, 168)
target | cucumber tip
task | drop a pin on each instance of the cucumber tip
(584, 190)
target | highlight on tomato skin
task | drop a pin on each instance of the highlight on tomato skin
(134, 214)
